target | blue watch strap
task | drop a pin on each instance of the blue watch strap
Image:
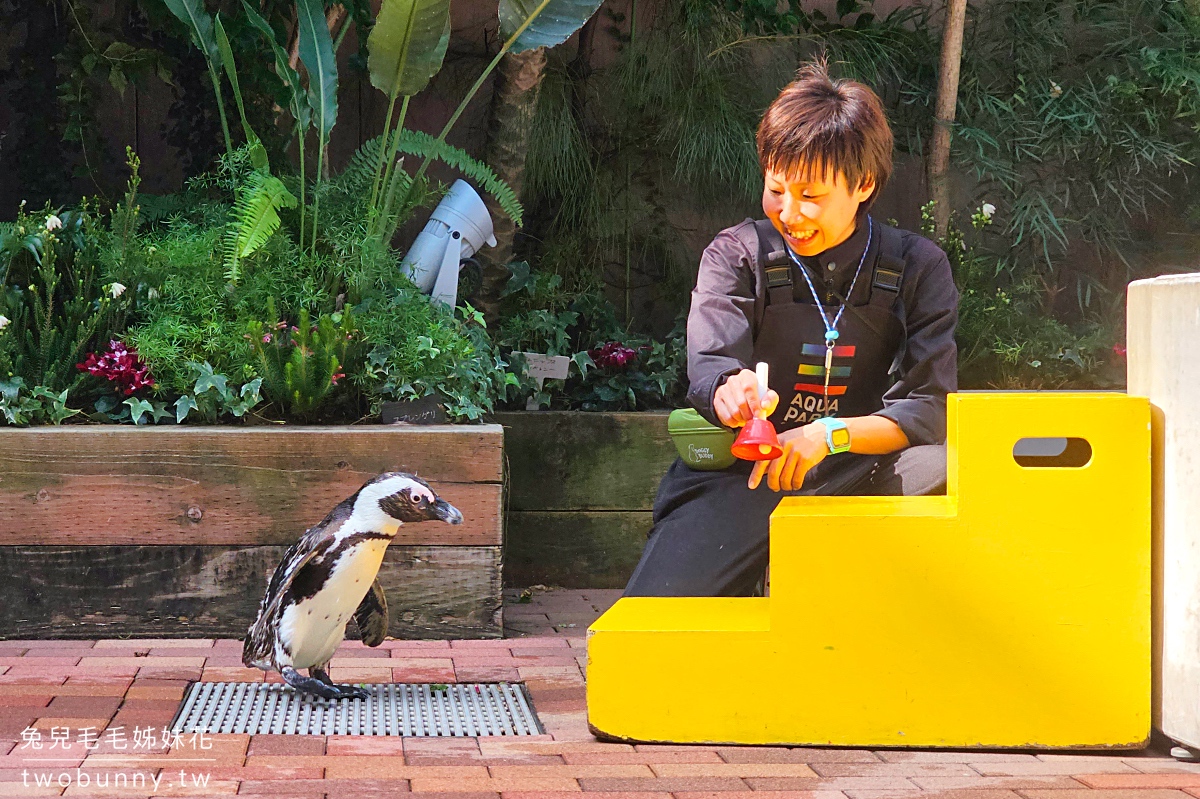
(831, 425)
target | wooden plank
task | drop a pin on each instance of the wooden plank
(562, 461)
(583, 549)
(210, 486)
(450, 453)
(83, 592)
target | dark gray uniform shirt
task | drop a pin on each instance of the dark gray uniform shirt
(731, 296)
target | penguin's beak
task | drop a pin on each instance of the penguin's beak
(446, 512)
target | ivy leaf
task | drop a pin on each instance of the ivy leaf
(159, 411)
(138, 408)
(116, 79)
(209, 380)
(522, 279)
(584, 362)
(183, 406)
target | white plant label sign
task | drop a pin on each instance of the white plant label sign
(545, 367)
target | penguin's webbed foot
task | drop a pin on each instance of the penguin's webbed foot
(325, 689)
(348, 691)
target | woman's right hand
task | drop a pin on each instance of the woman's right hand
(737, 401)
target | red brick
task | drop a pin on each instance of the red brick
(519, 794)
(671, 784)
(39, 661)
(393, 767)
(648, 758)
(1055, 767)
(827, 783)
(1122, 793)
(1031, 782)
(83, 706)
(485, 674)
(894, 770)
(174, 643)
(415, 646)
(440, 746)
(756, 754)
(286, 745)
(518, 773)
(341, 789)
(498, 785)
(25, 700)
(733, 770)
(888, 756)
(1139, 780)
(819, 794)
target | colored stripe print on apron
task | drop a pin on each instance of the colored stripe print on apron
(814, 379)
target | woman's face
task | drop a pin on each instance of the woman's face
(813, 213)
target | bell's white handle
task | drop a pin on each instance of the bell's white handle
(760, 371)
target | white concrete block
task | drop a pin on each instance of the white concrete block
(1164, 364)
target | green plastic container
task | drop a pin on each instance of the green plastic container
(702, 446)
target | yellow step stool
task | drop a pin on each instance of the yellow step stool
(1012, 612)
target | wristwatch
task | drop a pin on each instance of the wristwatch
(837, 435)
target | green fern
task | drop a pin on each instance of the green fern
(253, 219)
(361, 170)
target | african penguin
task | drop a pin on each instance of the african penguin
(329, 575)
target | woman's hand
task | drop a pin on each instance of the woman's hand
(736, 400)
(803, 448)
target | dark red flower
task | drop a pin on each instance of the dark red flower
(120, 365)
(612, 354)
(1119, 350)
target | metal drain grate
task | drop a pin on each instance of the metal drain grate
(419, 710)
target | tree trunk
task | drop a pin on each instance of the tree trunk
(518, 78)
(947, 103)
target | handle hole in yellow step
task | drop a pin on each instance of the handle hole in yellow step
(1052, 452)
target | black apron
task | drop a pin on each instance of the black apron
(792, 335)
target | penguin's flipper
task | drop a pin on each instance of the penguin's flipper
(372, 616)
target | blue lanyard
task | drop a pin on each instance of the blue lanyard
(831, 333)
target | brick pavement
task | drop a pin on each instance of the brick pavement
(62, 687)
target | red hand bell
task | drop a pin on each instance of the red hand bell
(758, 441)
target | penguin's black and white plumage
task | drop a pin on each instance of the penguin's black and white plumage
(329, 576)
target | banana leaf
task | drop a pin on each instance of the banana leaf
(199, 23)
(553, 21)
(297, 99)
(316, 51)
(258, 153)
(407, 45)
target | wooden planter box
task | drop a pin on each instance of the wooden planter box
(581, 492)
(108, 530)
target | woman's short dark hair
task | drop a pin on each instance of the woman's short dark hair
(819, 126)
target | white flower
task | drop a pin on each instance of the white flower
(987, 210)
(1055, 90)
(152, 293)
(116, 290)
(53, 223)
(4, 320)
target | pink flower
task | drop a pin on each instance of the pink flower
(612, 354)
(266, 338)
(119, 365)
(1119, 350)
(336, 377)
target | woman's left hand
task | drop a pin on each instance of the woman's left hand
(803, 448)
